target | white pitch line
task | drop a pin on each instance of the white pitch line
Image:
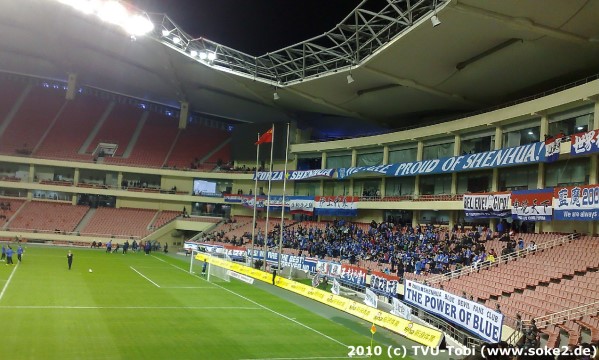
(8, 281)
(266, 308)
(157, 258)
(134, 307)
(310, 358)
(187, 287)
(145, 277)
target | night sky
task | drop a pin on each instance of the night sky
(253, 26)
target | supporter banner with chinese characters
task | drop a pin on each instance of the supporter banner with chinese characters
(576, 203)
(488, 205)
(384, 284)
(294, 174)
(584, 143)
(295, 204)
(353, 275)
(532, 205)
(476, 318)
(300, 204)
(552, 149)
(519, 155)
(336, 205)
(297, 262)
(402, 310)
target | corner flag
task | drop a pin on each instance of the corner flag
(373, 329)
(265, 138)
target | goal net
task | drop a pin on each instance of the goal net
(207, 267)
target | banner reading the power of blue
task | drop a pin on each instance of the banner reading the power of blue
(520, 155)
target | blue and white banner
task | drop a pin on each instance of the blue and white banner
(520, 155)
(402, 310)
(532, 205)
(576, 203)
(371, 299)
(476, 318)
(336, 205)
(552, 149)
(384, 285)
(584, 143)
(336, 287)
(300, 204)
(296, 262)
(294, 174)
(489, 205)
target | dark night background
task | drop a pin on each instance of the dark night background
(253, 26)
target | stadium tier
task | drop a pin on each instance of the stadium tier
(48, 217)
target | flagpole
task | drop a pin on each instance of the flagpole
(255, 203)
(283, 205)
(272, 145)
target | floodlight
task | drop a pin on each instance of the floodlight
(435, 20)
(176, 39)
(138, 25)
(350, 79)
(203, 55)
(580, 128)
(530, 133)
(165, 32)
(86, 6)
(193, 53)
(113, 12)
(275, 96)
(211, 56)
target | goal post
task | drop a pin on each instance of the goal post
(204, 264)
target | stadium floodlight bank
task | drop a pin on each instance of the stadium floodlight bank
(207, 268)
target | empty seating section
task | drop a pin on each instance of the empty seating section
(10, 91)
(32, 120)
(223, 154)
(164, 217)
(72, 129)
(194, 142)
(119, 222)
(118, 128)
(153, 143)
(48, 216)
(8, 207)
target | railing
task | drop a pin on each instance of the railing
(569, 314)
(72, 233)
(502, 259)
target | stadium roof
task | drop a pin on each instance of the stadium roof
(405, 71)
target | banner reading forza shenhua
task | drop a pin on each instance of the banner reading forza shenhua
(519, 155)
(488, 205)
(576, 203)
(293, 175)
(476, 318)
(532, 205)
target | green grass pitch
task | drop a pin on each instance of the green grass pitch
(149, 307)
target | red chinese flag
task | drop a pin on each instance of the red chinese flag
(265, 138)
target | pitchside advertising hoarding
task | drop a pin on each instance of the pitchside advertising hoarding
(576, 203)
(476, 318)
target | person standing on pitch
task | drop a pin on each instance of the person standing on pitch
(3, 253)
(9, 253)
(70, 259)
(204, 267)
(19, 253)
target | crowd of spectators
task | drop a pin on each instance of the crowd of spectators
(397, 248)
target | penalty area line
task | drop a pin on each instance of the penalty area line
(268, 309)
(8, 281)
(145, 277)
